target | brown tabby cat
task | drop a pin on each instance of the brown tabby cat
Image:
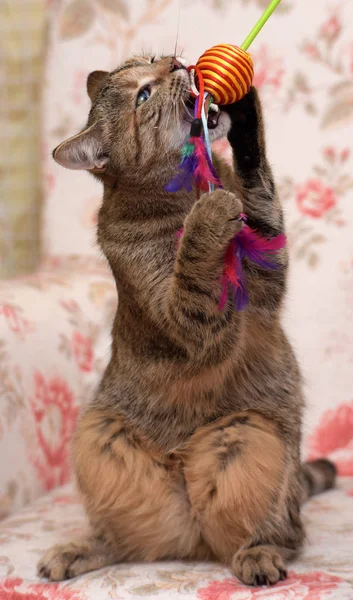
(190, 449)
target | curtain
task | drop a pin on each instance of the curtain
(21, 51)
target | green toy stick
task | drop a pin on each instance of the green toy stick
(259, 25)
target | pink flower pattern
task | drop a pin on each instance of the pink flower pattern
(268, 69)
(311, 50)
(55, 414)
(306, 586)
(333, 437)
(10, 589)
(315, 199)
(15, 321)
(83, 351)
(331, 29)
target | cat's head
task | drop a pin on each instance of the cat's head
(139, 119)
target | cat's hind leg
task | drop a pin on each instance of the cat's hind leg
(136, 502)
(241, 484)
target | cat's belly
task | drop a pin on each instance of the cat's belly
(166, 399)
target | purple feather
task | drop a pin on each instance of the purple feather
(212, 169)
(241, 298)
(184, 176)
(247, 243)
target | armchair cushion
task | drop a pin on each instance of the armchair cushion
(54, 344)
(323, 572)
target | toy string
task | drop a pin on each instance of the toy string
(259, 25)
(201, 88)
(196, 108)
(204, 112)
(202, 105)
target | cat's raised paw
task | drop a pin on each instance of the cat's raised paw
(245, 109)
(220, 211)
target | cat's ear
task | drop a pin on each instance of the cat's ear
(95, 81)
(83, 151)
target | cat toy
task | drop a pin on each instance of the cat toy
(223, 75)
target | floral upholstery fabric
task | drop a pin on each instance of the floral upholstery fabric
(323, 572)
(54, 344)
(54, 325)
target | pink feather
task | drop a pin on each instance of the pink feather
(255, 246)
(203, 174)
(179, 233)
(246, 243)
(230, 273)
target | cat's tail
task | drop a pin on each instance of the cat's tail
(317, 476)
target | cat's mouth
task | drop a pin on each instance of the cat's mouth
(212, 117)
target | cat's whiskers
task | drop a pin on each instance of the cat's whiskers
(177, 114)
(186, 108)
(169, 114)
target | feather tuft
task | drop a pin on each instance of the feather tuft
(203, 174)
(195, 165)
(247, 243)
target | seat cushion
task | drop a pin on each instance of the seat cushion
(324, 571)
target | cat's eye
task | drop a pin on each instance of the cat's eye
(143, 96)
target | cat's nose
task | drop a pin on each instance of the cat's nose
(175, 65)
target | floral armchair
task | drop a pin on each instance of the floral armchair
(54, 324)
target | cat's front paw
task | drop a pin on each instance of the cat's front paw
(67, 561)
(262, 565)
(218, 212)
(247, 134)
(247, 110)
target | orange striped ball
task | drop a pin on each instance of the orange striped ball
(227, 72)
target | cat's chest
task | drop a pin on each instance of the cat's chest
(171, 431)
(169, 421)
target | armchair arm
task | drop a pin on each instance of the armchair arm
(54, 345)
